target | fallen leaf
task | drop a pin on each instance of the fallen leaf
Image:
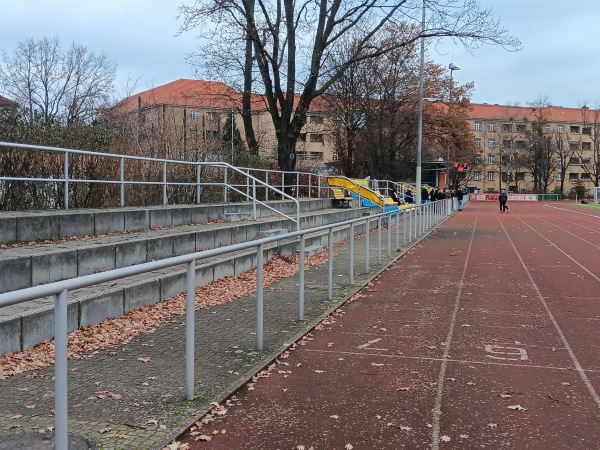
(335, 417)
(517, 408)
(445, 438)
(203, 437)
(319, 371)
(463, 436)
(29, 406)
(104, 430)
(405, 428)
(349, 447)
(17, 416)
(152, 422)
(145, 359)
(492, 425)
(377, 364)
(505, 395)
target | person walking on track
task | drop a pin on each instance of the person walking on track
(502, 198)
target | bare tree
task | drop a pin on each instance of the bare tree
(590, 157)
(52, 85)
(282, 47)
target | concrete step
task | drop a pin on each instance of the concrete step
(25, 325)
(27, 226)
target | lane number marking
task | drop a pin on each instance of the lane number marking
(509, 352)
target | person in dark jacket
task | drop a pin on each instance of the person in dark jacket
(503, 198)
(408, 196)
(424, 194)
(459, 197)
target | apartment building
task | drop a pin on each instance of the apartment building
(506, 136)
(186, 119)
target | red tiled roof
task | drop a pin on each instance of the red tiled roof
(519, 113)
(200, 93)
(6, 102)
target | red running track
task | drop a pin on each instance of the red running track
(485, 335)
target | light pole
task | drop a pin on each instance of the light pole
(420, 123)
(452, 68)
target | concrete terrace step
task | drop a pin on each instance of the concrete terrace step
(25, 325)
(26, 226)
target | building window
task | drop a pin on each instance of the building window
(316, 120)
(491, 143)
(492, 126)
(508, 127)
(194, 115)
(574, 161)
(302, 137)
(547, 128)
(211, 135)
(573, 176)
(335, 157)
(477, 175)
(263, 118)
(490, 176)
(491, 159)
(559, 161)
(586, 146)
(478, 143)
(477, 126)
(505, 143)
(560, 128)
(574, 145)
(317, 138)
(558, 176)
(478, 159)
(574, 129)
(586, 130)
(521, 128)
(149, 115)
(210, 116)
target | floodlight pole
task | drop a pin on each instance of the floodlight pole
(452, 68)
(420, 126)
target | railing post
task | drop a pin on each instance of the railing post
(225, 186)
(330, 264)
(190, 312)
(66, 180)
(297, 185)
(389, 244)
(301, 278)
(198, 188)
(122, 169)
(398, 230)
(60, 372)
(259, 297)
(351, 269)
(367, 268)
(379, 240)
(165, 201)
(266, 190)
(254, 199)
(410, 224)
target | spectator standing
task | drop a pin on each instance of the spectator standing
(424, 194)
(459, 197)
(408, 196)
(503, 198)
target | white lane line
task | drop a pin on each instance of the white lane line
(578, 366)
(572, 234)
(458, 361)
(437, 407)
(556, 247)
(574, 212)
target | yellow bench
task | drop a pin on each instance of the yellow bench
(339, 197)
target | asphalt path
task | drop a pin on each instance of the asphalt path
(485, 335)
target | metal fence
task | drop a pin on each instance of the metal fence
(416, 221)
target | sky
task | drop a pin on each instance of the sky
(558, 57)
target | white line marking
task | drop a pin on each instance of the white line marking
(368, 345)
(574, 212)
(578, 366)
(437, 408)
(458, 361)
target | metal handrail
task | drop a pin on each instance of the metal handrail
(122, 182)
(420, 218)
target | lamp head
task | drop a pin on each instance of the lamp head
(453, 67)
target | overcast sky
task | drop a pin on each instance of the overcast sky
(558, 59)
